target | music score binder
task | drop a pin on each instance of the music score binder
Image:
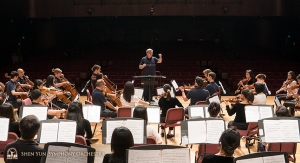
(153, 113)
(59, 130)
(39, 111)
(202, 130)
(91, 113)
(158, 154)
(279, 130)
(198, 111)
(264, 157)
(4, 125)
(254, 113)
(175, 85)
(139, 92)
(137, 127)
(68, 153)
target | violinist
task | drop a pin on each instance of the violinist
(260, 98)
(96, 75)
(212, 87)
(262, 78)
(128, 98)
(291, 104)
(10, 90)
(98, 98)
(248, 82)
(57, 82)
(21, 79)
(205, 72)
(50, 84)
(290, 82)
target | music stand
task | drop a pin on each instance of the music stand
(149, 80)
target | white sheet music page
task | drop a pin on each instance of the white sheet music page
(110, 127)
(265, 112)
(137, 129)
(251, 113)
(67, 132)
(79, 155)
(251, 160)
(177, 155)
(197, 132)
(139, 92)
(144, 156)
(57, 154)
(290, 130)
(4, 124)
(274, 159)
(85, 109)
(214, 130)
(94, 113)
(153, 114)
(175, 85)
(206, 112)
(281, 131)
(197, 112)
(39, 112)
(214, 99)
(49, 132)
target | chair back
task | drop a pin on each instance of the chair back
(151, 140)
(174, 115)
(206, 149)
(80, 140)
(88, 95)
(26, 101)
(11, 138)
(252, 128)
(124, 112)
(201, 102)
(290, 148)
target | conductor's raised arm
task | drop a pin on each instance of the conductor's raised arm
(160, 58)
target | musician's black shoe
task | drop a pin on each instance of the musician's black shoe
(170, 136)
(162, 134)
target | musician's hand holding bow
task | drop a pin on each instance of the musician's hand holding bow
(181, 88)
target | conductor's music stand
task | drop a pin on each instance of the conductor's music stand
(149, 80)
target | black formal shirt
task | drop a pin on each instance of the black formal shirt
(14, 127)
(150, 68)
(212, 88)
(98, 98)
(21, 80)
(197, 94)
(165, 105)
(10, 85)
(239, 110)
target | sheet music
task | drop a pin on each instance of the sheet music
(153, 114)
(196, 112)
(110, 127)
(144, 156)
(39, 112)
(181, 155)
(197, 132)
(214, 99)
(56, 154)
(4, 124)
(281, 131)
(48, 132)
(251, 113)
(265, 112)
(138, 92)
(175, 85)
(277, 101)
(251, 160)
(76, 158)
(206, 112)
(94, 113)
(274, 159)
(137, 129)
(66, 132)
(214, 131)
(85, 109)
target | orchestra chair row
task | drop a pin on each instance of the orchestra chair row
(206, 149)
(26, 101)
(290, 148)
(250, 134)
(10, 138)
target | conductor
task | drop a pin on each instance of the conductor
(148, 65)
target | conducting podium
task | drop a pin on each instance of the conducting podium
(150, 81)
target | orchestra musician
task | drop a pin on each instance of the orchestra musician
(262, 79)
(95, 75)
(260, 98)
(290, 82)
(212, 87)
(50, 84)
(57, 82)
(248, 82)
(2, 96)
(205, 72)
(21, 79)
(10, 90)
(128, 98)
(291, 104)
(148, 65)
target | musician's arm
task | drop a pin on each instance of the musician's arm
(183, 94)
(25, 85)
(55, 112)
(13, 92)
(108, 104)
(143, 102)
(59, 84)
(160, 58)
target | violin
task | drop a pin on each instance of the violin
(2, 87)
(284, 85)
(241, 84)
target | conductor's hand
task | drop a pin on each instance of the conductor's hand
(159, 55)
(144, 65)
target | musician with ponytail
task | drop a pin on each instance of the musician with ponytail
(214, 109)
(166, 102)
(247, 98)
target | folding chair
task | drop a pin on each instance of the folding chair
(205, 149)
(80, 140)
(249, 134)
(173, 118)
(124, 112)
(26, 101)
(290, 148)
(11, 138)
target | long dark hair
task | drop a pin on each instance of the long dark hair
(78, 103)
(140, 111)
(167, 92)
(248, 95)
(121, 140)
(7, 111)
(75, 115)
(37, 83)
(251, 75)
(214, 109)
(282, 111)
(293, 74)
(49, 81)
(230, 140)
(128, 91)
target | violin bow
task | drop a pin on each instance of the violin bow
(222, 87)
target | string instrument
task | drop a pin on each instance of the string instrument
(2, 87)
(240, 85)
(63, 96)
(7, 76)
(110, 89)
(69, 87)
(294, 87)
(46, 102)
(284, 85)
(232, 100)
(28, 82)
(21, 89)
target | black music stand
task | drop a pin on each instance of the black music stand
(149, 80)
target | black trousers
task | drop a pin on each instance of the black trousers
(238, 125)
(148, 89)
(283, 97)
(162, 119)
(291, 105)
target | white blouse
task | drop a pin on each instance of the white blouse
(134, 100)
(151, 131)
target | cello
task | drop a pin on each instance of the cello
(110, 89)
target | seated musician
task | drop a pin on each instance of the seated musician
(57, 82)
(196, 94)
(128, 98)
(246, 83)
(98, 98)
(205, 72)
(212, 87)
(36, 96)
(214, 109)
(262, 79)
(290, 82)
(291, 104)
(247, 98)
(10, 90)
(21, 79)
(50, 84)
(96, 75)
(2, 95)
(260, 98)
(7, 111)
